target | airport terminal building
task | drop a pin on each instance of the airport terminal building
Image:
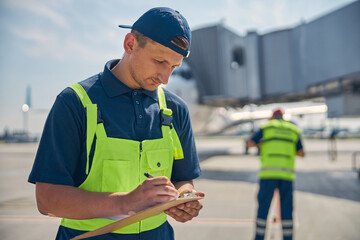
(320, 58)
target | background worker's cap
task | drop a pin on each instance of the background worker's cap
(162, 24)
(277, 113)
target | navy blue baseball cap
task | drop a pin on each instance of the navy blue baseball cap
(162, 24)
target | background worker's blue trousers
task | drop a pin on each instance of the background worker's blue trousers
(265, 195)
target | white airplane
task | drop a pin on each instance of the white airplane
(215, 120)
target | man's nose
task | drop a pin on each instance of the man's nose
(164, 75)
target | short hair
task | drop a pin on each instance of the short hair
(179, 41)
(141, 38)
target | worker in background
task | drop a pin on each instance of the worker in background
(279, 142)
(332, 144)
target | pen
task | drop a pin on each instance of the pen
(148, 175)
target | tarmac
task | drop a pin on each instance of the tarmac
(326, 197)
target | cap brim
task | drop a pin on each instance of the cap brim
(125, 26)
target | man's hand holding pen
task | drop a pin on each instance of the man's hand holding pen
(152, 191)
(156, 190)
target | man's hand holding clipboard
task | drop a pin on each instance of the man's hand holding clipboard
(182, 209)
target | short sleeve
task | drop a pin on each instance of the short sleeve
(299, 145)
(187, 168)
(60, 149)
(257, 136)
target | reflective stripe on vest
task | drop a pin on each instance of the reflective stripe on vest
(278, 150)
(119, 165)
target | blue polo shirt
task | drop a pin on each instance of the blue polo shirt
(128, 114)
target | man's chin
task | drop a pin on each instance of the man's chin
(151, 88)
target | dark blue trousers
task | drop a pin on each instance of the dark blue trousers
(265, 195)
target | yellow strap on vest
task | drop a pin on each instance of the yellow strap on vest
(84, 98)
(162, 100)
(178, 152)
(91, 112)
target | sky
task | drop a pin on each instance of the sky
(50, 44)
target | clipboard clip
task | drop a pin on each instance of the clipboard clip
(188, 195)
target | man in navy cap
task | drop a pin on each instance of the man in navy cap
(279, 142)
(105, 134)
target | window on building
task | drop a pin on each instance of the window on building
(237, 58)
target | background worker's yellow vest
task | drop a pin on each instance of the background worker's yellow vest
(278, 150)
(119, 164)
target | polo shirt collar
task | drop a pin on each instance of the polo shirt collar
(152, 94)
(114, 87)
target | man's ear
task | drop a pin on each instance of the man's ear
(129, 43)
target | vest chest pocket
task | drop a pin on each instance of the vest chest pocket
(116, 176)
(158, 162)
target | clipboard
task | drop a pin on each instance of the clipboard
(149, 212)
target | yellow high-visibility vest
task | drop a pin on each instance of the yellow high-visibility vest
(278, 150)
(119, 165)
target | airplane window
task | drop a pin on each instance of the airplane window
(237, 58)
